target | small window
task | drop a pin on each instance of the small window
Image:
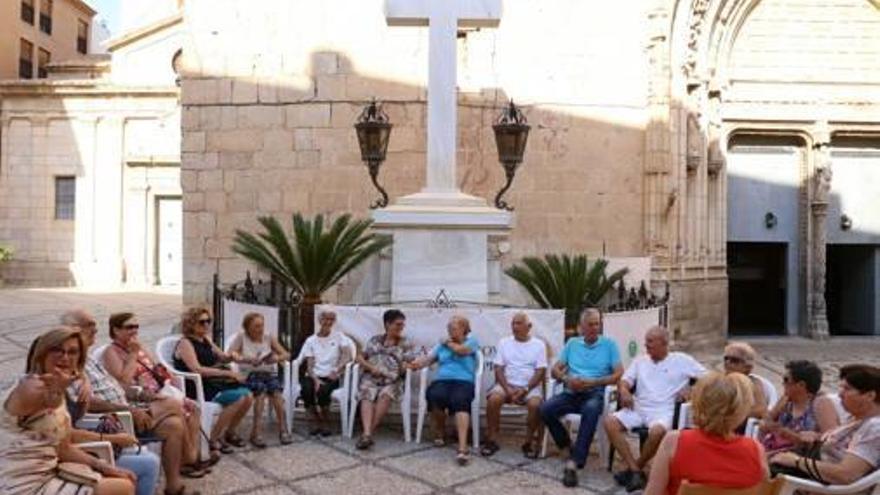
(82, 37)
(46, 16)
(43, 57)
(65, 197)
(27, 11)
(26, 59)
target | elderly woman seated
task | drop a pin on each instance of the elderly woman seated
(196, 353)
(382, 362)
(850, 451)
(712, 454)
(38, 451)
(452, 390)
(802, 414)
(739, 357)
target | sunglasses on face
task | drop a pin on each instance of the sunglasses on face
(787, 380)
(60, 351)
(205, 321)
(734, 360)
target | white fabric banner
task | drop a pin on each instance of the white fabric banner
(427, 326)
(233, 314)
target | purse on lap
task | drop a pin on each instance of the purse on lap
(79, 474)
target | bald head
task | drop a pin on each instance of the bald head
(84, 322)
(520, 325)
(657, 343)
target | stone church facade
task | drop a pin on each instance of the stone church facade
(654, 123)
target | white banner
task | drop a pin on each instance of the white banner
(233, 314)
(427, 326)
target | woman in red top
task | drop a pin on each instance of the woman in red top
(712, 454)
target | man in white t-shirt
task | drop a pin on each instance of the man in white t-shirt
(520, 366)
(660, 378)
(326, 352)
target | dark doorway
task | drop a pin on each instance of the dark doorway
(850, 289)
(756, 296)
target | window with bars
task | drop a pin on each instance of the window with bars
(46, 16)
(43, 57)
(27, 11)
(82, 37)
(25, 59)
(65, 197)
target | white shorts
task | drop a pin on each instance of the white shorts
(631, 418)
(535, 392)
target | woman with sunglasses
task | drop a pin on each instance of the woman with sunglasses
(38, 451)
(802, 414)
(196, 353)
(134, 367)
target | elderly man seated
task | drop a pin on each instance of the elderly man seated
(586, 365)
(739, 357)
(520, 367)
(659, 378)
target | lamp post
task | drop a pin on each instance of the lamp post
(373, 131)
(511, 134)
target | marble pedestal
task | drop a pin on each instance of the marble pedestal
(441, 242)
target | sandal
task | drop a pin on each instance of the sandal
(235, 440)
(489, 448)
(222, 447)
(364, 443)
(439, 442)
(258, 442)
(463, 458)
(212, 459)
(193, 472)
(530, 451)
(285, 438)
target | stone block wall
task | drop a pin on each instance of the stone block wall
(268, 115)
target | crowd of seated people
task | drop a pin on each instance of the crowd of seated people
(806, 433)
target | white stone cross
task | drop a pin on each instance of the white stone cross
(443, 17)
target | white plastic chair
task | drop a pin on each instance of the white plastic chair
(753, 424)
(573, 421)
(209, 410)
(286, 394)
(405, 406)
(342, 395)
(475, 404)
(871, 480)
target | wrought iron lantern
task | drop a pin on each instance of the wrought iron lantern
(373, 131)
(846, 222)
(511, 134)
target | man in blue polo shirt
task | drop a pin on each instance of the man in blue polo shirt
(586, 365)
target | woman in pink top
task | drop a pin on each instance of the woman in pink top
(712, 454)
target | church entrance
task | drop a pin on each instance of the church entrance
(763, 183)
(757, 289)
(850, 289)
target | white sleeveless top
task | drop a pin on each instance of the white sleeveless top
(251, 349)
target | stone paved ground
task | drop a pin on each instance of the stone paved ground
(333, 466)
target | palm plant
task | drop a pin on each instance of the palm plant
(565, 282)
(311, 260)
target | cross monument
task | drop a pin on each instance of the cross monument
(440, 234)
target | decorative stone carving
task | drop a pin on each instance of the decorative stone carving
(821, 193)
(694, 142)
(695, 30)
(715, 154)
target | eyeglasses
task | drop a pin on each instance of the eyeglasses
(60, 352)
(131, 326)
(206, 321)
(734, 360)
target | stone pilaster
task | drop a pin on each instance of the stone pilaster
(818, 328)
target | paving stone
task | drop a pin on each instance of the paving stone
(228, 476)
(438, 466)
(363, 480)
(300, 460)
(521, 483)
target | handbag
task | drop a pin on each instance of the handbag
(110, 424)
(79, 474)
(808, 469)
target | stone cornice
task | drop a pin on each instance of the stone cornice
(137, 34)
(41, 88)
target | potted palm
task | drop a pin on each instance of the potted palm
(565, 282)
(311, 259)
